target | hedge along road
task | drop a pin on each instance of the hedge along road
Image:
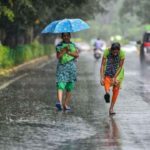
(28, 118)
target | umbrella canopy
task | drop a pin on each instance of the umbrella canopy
(66, 25)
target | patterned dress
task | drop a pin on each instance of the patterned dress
(66, 68)
(112, 64)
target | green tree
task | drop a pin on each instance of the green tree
(22, 20)
(5, 10)
(138, 8)
(13, 29)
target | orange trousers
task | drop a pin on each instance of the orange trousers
(107, 84)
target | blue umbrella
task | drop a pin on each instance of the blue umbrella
(65, 25)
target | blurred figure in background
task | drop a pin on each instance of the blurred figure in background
(112, 73)
(98, 44)
(57, 40)
(98, 48)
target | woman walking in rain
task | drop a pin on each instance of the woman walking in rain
(112, 73)
(66, 53)
(66, 71)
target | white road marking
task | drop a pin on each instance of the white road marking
(12, 81)
(49, 61)
(44, 64)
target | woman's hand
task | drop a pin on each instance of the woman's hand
(64, 50)
(102, 81)
(115, 81)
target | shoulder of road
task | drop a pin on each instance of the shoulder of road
(5, 72)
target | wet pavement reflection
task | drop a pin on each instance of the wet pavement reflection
(29, 121)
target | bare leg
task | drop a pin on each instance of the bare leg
(111, 109)
(60, 95)
(67, 98)
(114, 98)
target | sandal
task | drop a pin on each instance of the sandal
(112, 113)
(67, 108)
(107, 98)
(58, 106)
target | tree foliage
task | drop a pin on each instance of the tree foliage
(138, 8)
(24, 19)
(5, 10)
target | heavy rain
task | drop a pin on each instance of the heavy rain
(32, 115)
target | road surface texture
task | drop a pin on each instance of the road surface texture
(28, 120)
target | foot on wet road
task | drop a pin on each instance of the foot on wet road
(58, 106)
(112, 113)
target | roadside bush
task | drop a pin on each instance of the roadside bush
(18, 54)
(6, 57)
(40, 50)
(22, 53)
(49, 49)
(36, 48)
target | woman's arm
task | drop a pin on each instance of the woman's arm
(102, 70)
(74, 54)
(120, 67)
(67, 51)
(61, 53)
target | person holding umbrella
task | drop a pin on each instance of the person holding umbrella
(67, 52)
(112, 73)
(66, 72)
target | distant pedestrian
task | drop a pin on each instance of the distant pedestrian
(66, 72)
(112, 73)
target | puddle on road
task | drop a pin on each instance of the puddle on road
(28, 134)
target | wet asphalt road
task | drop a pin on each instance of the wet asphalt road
(28, 120)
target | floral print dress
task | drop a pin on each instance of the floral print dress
(66, 67)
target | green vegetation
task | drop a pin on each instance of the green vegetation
(21, 21)
(138, 8)
(127, 18)
(6, 57)
(135, 17)
(22, 53)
